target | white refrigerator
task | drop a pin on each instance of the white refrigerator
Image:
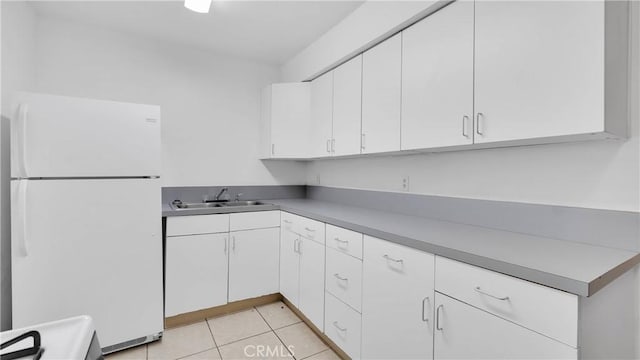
(86, 228)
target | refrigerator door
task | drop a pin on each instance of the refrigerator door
(57, 136)
(88, 247)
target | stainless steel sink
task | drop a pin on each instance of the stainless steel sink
(243, 203)
(177, 204)
(196, 205)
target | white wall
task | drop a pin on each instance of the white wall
(17, 73)
(210, 103)
(367, 25)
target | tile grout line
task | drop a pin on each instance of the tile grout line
(214, 338)
(274, 331)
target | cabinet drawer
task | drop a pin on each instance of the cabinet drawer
(312, 229)
(288, 221)
(254, 220)
(197, 224)
(346, 241)
(548, 311)
(342, 325)
(343, 278)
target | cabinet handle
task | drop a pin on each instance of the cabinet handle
(389, 258)
(329, 145)
(333, 146)
(479, 118)
(273, 149)
(465, 120)
(502, 298)
(345, 242)
(362, 144)
(300, 246)
(225, 244)
(423, 301)
(337, 276)
(312, 230)
(286, 221)
(295, 245)
(233, 243)
(438, 327)
(335, 323)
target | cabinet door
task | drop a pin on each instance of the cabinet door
(253, 263)
(539, 69)
(397, 301)
(196, 273)
(465, 332)
(381, 69)
(347, 107)
(437, 79)
(289, 266)
(321, 115)
(312, 281)
(289, 120)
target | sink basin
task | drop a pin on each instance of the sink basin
(207, 205)
(196, 205)
(243, 203)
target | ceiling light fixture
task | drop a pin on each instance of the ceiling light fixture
(200, 6)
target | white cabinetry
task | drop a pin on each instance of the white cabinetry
(381, 91)
(254, 263)
(347, 107)
(207, 266)
(397, 301)
(483, 314)
(465, 332)
(285, 120)
(302, 264)
(196, 264)
(321, 133)
(542, 69)
(437, 79)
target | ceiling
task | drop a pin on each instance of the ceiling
(266, 31)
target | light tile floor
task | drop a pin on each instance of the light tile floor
(269, 331)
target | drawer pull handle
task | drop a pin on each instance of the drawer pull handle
(335, 323)
(345, 242)
(423, 301)
(337, 276)
(490, 295)
(312, 230)
(392, 259)
(438, 327)
(287, 221)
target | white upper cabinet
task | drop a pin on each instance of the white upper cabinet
(285, 120)
(381, 90)
(321, 116)
(347, 107)
(539, 69)
(437, 79)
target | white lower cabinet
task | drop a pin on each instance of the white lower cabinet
(343, 326)
(465, 332)
(302, 262)
(397, 301)
(254, 263)
(196, 272)
(289, 266)
(311, 296)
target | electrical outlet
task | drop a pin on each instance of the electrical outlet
(405, 183)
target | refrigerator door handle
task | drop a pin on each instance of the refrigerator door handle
(20, 199)
(19, 146)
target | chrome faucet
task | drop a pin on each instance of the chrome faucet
(222, 191)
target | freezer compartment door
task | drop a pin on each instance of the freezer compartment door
(88, 247)
(58, 136)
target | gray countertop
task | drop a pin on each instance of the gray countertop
(577, 268)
